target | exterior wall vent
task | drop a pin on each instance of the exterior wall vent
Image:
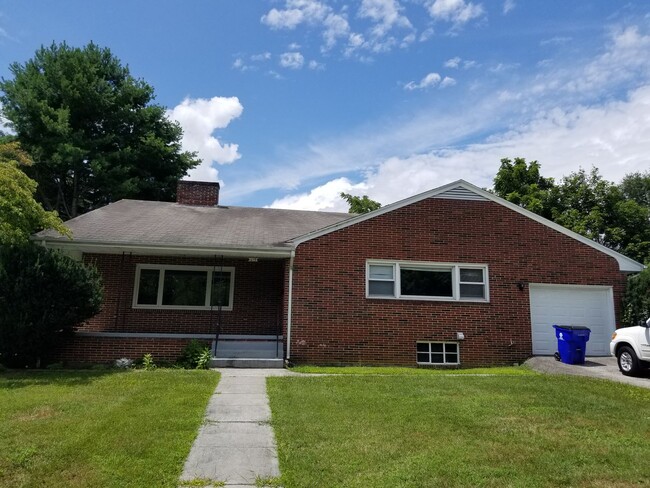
(460, 193)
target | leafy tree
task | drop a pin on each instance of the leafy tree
(636, 305)
(636, 186)
(617, 216)
(92, 129)
(521, 183)
(43, 295)
(20, 214)
(360, 205)
(598, 209)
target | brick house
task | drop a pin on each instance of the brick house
(454, 276)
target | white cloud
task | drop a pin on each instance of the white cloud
(407, 40)
(557, 40)
(453, 63)
(429, 81)
(508, 5)
(447, 81)
(292, 60)
(426, 34)
(456, 63)
(297, 12)
(242, 65)
(538, 114)
(385, 14)
(310, 12)
(239, 64)
(626, 58)
(614, 137)
(326, 197)
(265, 56)
(315, 65)
(199, 118)
(457, 11)
(336, 27)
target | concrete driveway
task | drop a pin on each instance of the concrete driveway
(596, 367)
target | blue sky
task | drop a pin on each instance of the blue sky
(290, 102)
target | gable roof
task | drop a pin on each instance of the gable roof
(462, 190)
(130, 225)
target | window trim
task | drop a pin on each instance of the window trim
(177, 267)
(444, 353)
(423, 265)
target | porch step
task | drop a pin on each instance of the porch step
(249, 349)
(246, 363)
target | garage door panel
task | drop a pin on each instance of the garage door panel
(568, 305)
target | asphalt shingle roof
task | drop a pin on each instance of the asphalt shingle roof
(163, 223)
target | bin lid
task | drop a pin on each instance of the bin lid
(572, 327)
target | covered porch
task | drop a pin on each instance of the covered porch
(157, 302)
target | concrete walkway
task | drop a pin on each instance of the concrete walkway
(236, 444)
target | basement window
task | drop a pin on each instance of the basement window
(183, 287)
(426, 281)
(437, 353)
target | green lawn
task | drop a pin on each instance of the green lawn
(99, 429)
(396, 370)
(433, 430)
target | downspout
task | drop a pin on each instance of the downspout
(289, 307)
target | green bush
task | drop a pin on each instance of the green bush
(43, 296)
(636, 305)
(148, 363)
(195, 355)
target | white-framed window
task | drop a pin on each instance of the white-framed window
(437, 353)
(183, 287)
(427, 281)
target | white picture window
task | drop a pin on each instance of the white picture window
(183, 287)
(427, 281)
(437, 353)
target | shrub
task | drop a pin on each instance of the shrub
(195, 355)
(148, 363)
(43, 296)
(123, 363)
(204, 358)
(636, 305)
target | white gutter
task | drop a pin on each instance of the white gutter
(289, 307)
(107, 247)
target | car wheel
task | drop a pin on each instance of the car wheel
(628, 363)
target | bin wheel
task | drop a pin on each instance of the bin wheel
(628, 363)
(556, 356)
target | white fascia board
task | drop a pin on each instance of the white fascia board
(153, 250)
(626, 264)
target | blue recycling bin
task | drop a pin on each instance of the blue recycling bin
(572, 343)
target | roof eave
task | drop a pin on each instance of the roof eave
(112, 247)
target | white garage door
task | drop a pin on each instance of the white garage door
(590, 306)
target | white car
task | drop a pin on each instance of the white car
(631, 346)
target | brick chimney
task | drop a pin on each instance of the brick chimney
(202, 193)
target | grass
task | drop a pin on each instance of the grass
(396, 370)
(99, 428)
(419, 431)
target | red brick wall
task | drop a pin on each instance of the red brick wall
(108, 349)
(333, 322)
(202, 193)
(256, 303)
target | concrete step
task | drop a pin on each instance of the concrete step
(249, 349)
(246, 363)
